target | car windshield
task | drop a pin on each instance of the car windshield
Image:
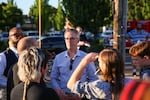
(53, 39)
(108, 33)
(5, 35)
(33, 34)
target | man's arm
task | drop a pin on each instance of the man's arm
(3, 79)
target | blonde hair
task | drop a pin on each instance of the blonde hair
(29, 66)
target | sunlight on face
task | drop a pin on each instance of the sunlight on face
(71, 40)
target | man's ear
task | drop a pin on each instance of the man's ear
(146, 57)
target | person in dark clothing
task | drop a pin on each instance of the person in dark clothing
(35, 91)
(32, 65)
(13, 79)
(8, 58)
(83, 43)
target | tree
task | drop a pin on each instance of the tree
(59, 18)
(47, 14)
(10, 15)
(138, 10)
(89, 14)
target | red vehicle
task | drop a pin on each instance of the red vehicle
(132, 25)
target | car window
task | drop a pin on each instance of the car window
(108, 33)
(53, 39)
(5, 35)
(33, 34)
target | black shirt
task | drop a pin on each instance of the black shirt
(35, 91)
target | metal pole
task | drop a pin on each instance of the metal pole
(124, 27)
(120, 25)
(39, 2)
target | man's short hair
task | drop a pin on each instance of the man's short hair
(140, 49)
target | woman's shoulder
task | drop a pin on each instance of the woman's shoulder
(101, 84)
(101, 88)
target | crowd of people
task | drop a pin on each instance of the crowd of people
(74, 75)
(137, 35)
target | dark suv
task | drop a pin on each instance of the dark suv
(53, 44)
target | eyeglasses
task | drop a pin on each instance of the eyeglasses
(16, 34)
(71, 63)
(70, 38)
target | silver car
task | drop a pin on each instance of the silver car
(4, 36)
(107, 37)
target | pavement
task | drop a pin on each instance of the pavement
(128, 67)
(128, 72)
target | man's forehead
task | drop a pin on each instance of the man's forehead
(70, 34)
(19, 31)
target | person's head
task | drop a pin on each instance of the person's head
(140, 53)
(71, 39)
(79, 29)
(139, 25)
(111, 65)
(26, 42)
(136, 90)
(32, 64)
(15, 34)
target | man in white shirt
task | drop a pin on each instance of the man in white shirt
(9, 57)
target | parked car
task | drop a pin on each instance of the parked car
(34, 34)
(53, 44)
(89, 36)
(4, 36)
(106, 37)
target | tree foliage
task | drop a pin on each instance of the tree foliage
(89, 14)
(138, 10)
(10, 16)
(59, 18)
(47, 14)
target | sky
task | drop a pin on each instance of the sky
(26, 4)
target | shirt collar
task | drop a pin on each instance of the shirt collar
(76, 55)
(14, 50)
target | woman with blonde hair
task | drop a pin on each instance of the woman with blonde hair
(32, 65)
(111, 76)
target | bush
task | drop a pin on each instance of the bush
(96, 46)
(3, 45)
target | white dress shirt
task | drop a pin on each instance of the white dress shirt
(3, 79)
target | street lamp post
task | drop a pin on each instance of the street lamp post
(120, 23)
(39, 6)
